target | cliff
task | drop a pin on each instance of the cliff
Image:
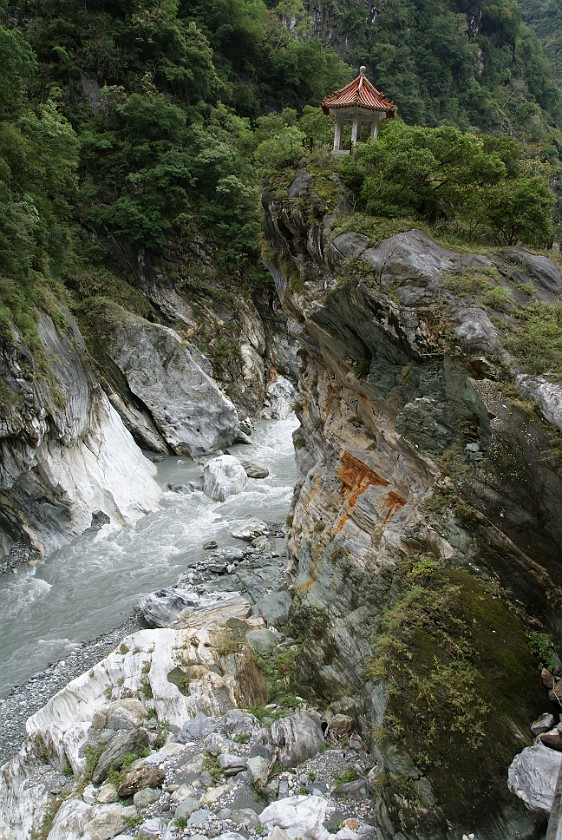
(425, 537)
(65, 454)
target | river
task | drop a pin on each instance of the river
(89, 586)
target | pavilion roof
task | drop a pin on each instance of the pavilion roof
(359, 93)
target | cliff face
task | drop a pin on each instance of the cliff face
(429, 483)
(64, 452)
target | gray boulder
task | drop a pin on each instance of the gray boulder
(161, 608)
(296, 738)
(274, 608)
(161, 369)
(196, 728)
(414, 255)
(255, 470)
(223, 477)
(547, 394)
(279, 399)
(125, 743)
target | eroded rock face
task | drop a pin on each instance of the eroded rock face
(408, 448)
(64, 452)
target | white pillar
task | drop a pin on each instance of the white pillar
(355, 129)
(337, 134)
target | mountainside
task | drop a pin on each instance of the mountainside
(545, 18)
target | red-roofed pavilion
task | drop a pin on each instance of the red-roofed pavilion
(358, 103)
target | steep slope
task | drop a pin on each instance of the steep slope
(428, 504)
(545, 18)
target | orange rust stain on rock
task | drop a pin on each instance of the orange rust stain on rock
(356, 476)
(393, 503)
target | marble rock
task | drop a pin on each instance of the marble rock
(223, 476)
(279, 399)
(296, 738)
(532, 776)
(300, 816)
(164, 371)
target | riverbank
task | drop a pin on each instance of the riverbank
(24, 700)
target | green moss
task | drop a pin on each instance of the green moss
(180, 679)
(459, 671)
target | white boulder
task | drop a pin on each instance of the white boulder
(532, 776)
(300, 816)
(223, 477)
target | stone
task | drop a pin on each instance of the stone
(153, 827)
(255, 470)
(245, 818)
(475, 331)
(196, 728)
(107, 794)
(144, 798)
(199, 818)
(214, 794)
(547, 394)
(64, 452)
(532, 776)
(126, 742)
(262, 642)
(300, 816)
(161, 608)
(300, 185)
(145, 776)
(231, 764)
(90, 794)
(259, 768)
(274, 607)
(122, 714)
(296, 738)
(279, 400)
(278, 834)
(249, 530)
(551, 739)
(547, 678)
(6, 832)
(543, 724)
(223, 477)
(210, 544)
(231, 835)
(187, 807)
(237, 722)
(108, 821)
(340, 726)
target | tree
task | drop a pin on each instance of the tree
(472, 184)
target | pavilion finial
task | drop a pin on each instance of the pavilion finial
(362, 70)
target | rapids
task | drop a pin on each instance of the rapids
(89, 586)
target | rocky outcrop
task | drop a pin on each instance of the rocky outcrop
(64, 452)
(421, 466)
(173, 673)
